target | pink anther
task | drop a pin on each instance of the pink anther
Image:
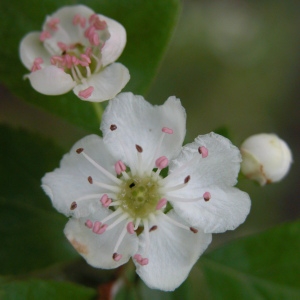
(140, 260)
(52, 24)
(96, 22)
(105, 200)
(88, 51)
(203, 151)
(102, 229)
(96, 226)
(206, 196)
(44, 35)
(116, 256)
(79, 20)
(137, 257)
(89, 224)
(62, 46)
(86, 93)
(120, 167)
(167, 130)
(161, 203)
(94, 39)
(56, 59)
(130, 228)
(36, 64)
(89, 31)
(162, 162)
(67, 61)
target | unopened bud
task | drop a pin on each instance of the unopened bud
(266, 158)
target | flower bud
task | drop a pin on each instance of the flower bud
(266, 158)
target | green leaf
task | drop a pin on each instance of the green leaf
(262, 266)
(46, 290)
(149, 24)
(31, 231)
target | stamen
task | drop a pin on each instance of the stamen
(87, 197)
(96, 226)
(170, 220)
(112, 215)
(140, 260)
(161, 203)
(120, 167)
(102, 229)
(99, 167)
(162, 162)
(89, 224)
(90, 179)
(62, 46)
(147, 237)
(105, 200)
(52, 24)
(44, 35)
(119, 220)
(36, 64)
(179, 199)
(130, 227)
(113, 127)
(116, 256)
(73, 205)
(153, 228)
(86, 93)
(167, 130)
(139, 148)
(203, 151)
(79, 20)
(194, 230)
(137, 223)
(120, 239)
(187, 179)
(112, 188)
(206, 196)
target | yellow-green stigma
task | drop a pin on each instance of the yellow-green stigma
(139, 196)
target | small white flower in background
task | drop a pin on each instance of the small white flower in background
(266, 158)
(122, 207)
(76, 50)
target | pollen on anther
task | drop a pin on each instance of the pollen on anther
(73, 205)
(194, 230)
(139, 148)
(187, 179)
(113, 127)
(203, 151)
(90, 179)
(153, 228)
(79, 150)
(206, 196)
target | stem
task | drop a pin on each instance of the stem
(98, 110)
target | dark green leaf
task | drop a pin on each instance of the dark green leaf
(46, 290)
(263, 266)
(149, 24)
(31, 231)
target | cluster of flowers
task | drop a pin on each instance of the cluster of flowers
(112, 188)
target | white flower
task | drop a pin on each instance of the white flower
(76, 50)
(266, 158)
(122, 207)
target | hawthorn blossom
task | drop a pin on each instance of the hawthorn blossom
(121, 205)
(76, 50)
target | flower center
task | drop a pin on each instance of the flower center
(139, 196)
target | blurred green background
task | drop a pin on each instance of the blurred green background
(235, 65)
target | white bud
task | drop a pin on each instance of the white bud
(266, 158)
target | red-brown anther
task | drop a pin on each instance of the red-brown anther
(153, 228)
(187, 179)
(90, 179)
(194, 230)
(113, 127)
(139, 148)
(73, 205)
(79, 150)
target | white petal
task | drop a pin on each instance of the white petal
(172, 253)
(98, 249)
(227, 208)
(69, 182)
(67, 32)
(114, 46)
(221, 166)
(107, 83)
(51, 81)
(31, 48)
(140, 123)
